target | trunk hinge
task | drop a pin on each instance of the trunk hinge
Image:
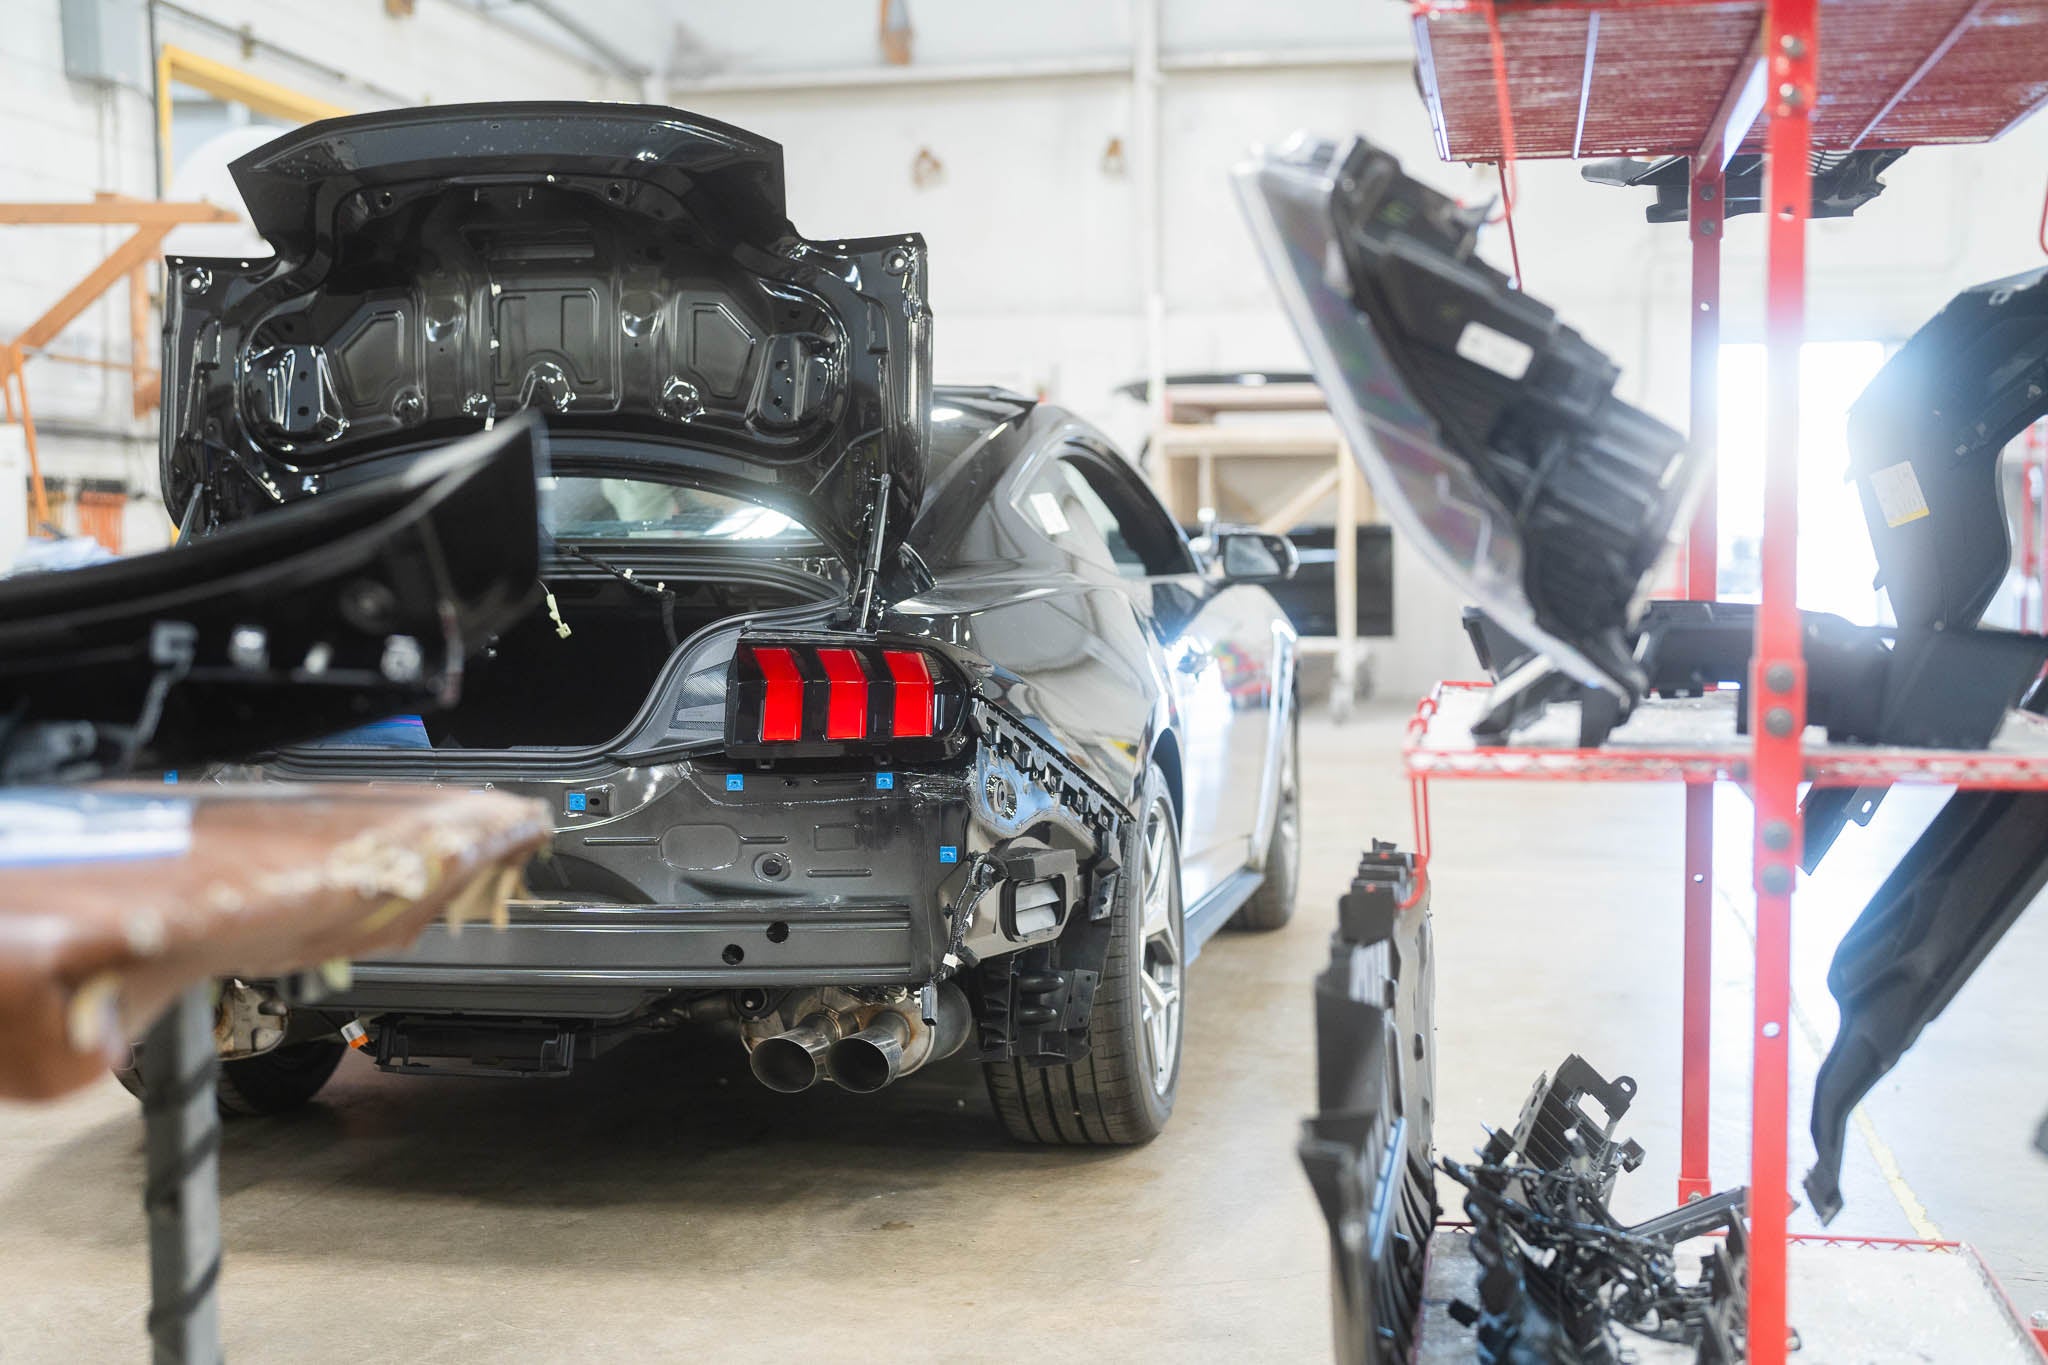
(871, 556)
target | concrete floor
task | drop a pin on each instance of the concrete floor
(660, 1203)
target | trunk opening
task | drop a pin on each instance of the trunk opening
(534, 688)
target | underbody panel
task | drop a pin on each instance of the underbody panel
(609, 962)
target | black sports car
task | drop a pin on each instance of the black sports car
(880, 719)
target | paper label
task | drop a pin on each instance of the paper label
(1497, 351)
(1898, 494)
(47, 825)
(1046, 507)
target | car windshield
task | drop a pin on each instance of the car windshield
(574, 508)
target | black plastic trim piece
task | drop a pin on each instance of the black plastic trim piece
(1368, 1149)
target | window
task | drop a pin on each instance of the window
(1050, 505)
(1128, 561)
(1094, 511)
(643, 509)
(1836, 563)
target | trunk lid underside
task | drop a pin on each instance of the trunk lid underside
(627, 271)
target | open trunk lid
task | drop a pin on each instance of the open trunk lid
(627, 271)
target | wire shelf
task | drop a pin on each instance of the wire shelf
(1645, 77)
(1693, 739)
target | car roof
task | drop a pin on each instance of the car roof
(1138, 388)
(962, 415)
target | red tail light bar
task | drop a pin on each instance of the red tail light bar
(782, 698)
(912, 674)
(846, 695)
(826, 696)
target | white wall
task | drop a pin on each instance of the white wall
(62, 139)
(832, 35)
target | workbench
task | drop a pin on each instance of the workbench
(120, 923)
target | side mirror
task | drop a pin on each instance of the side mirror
(1254, 557)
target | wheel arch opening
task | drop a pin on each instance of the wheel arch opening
(1166, 753)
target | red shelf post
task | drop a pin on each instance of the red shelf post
(1701, 573)
(1778, 676)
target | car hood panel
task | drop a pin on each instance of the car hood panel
(625, 271)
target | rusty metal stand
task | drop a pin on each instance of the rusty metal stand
(181, 1123)
(151, 219)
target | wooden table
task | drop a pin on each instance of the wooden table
(98, 945)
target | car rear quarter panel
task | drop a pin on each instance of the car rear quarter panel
(1061, 642)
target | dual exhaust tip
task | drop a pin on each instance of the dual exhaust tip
(895, 1042)
(862, 1062)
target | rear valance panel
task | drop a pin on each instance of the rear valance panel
(624, 271)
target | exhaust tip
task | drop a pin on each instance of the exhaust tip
(864, 1066)
(784, 1065)
(864, 1062)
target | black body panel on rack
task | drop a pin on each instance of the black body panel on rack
(1960, 886)
(1490, 430)
(321, 617)
(1924, 444)
(1368, 1150)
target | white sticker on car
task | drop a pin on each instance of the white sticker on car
(1898, 494)
(1497, 351)
(1046, 507)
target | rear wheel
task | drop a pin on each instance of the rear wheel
(273, 1082)
(1272, 905)
(1123, 1091)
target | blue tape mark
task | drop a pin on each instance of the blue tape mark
(885, 782)
(948, 853)
(171, 775)
(735, 782)
(579, 801)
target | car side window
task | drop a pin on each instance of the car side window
(1085, 508)
(1127, 560)
(1054, 503)
(1140, 537)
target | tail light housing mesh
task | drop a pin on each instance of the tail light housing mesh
(833, 696)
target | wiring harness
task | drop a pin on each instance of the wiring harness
(1559, 1276)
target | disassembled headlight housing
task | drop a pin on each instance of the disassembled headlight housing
(1488, 429)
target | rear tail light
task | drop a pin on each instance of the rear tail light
(912, 674)
(846, 695)
(782, 696)
(828, 697)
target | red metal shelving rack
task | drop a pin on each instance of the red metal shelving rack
(1579, 78)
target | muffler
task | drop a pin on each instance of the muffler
(898, 1041)
(795, 1059)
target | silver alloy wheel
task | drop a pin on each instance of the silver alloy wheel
(1162, 932)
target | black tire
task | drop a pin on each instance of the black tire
(274, 1082)
(1119, 1094)
(1272, 905)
